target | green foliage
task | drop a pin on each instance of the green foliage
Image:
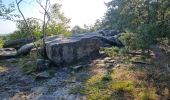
(28, 63)
(34, 27)
(126, 86)
(55, 29)
(17, 35)
(1, 42)
(147, 20)
(6, 11)
(113, 51)
(58, 23)
(91, 28)
(147, 94)
(124, 51)
(107, 77)
(95, 88)
(129, 40)
(97, 25)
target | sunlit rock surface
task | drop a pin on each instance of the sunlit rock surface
(68, 50)
(62, 50)
(6, 53)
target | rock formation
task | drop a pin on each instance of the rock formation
(79, 46)
(17, 43)
(6, 53)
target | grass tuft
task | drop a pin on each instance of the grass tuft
(125, 86)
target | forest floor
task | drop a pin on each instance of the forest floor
(127, 77)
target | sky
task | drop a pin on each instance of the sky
(80, 11)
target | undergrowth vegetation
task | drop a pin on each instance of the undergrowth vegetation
(126, 80)
(1, 42)
(28, 63)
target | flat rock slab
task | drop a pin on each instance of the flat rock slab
(17, 43)
(62, 50)
(6, 53)
(69, 50)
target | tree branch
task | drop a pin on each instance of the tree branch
(27, 26)
(45, 8)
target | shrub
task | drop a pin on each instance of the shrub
(129, 40)
(123, 51)
(126, 86)
(1, 42)
(28, 63)
(107, 77)
(113, 51)
(77, 90)
(17, 35)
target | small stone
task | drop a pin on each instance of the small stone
(107, 58)
(102, 52)
(100, 65)
(53, 82)
(98, 61)
(39, 90)
(42, 64)
(109, 61)
(78, 67)
(44, 74)
(71, 97)
(82, 76)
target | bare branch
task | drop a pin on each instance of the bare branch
(19, 2)
(10, 19)
(37, 19)
(46, 19)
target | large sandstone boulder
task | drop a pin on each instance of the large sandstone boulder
(67, 50)
(17, 43)
(63, 50)
(72, 49)
(24, 50)
(106, 32)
